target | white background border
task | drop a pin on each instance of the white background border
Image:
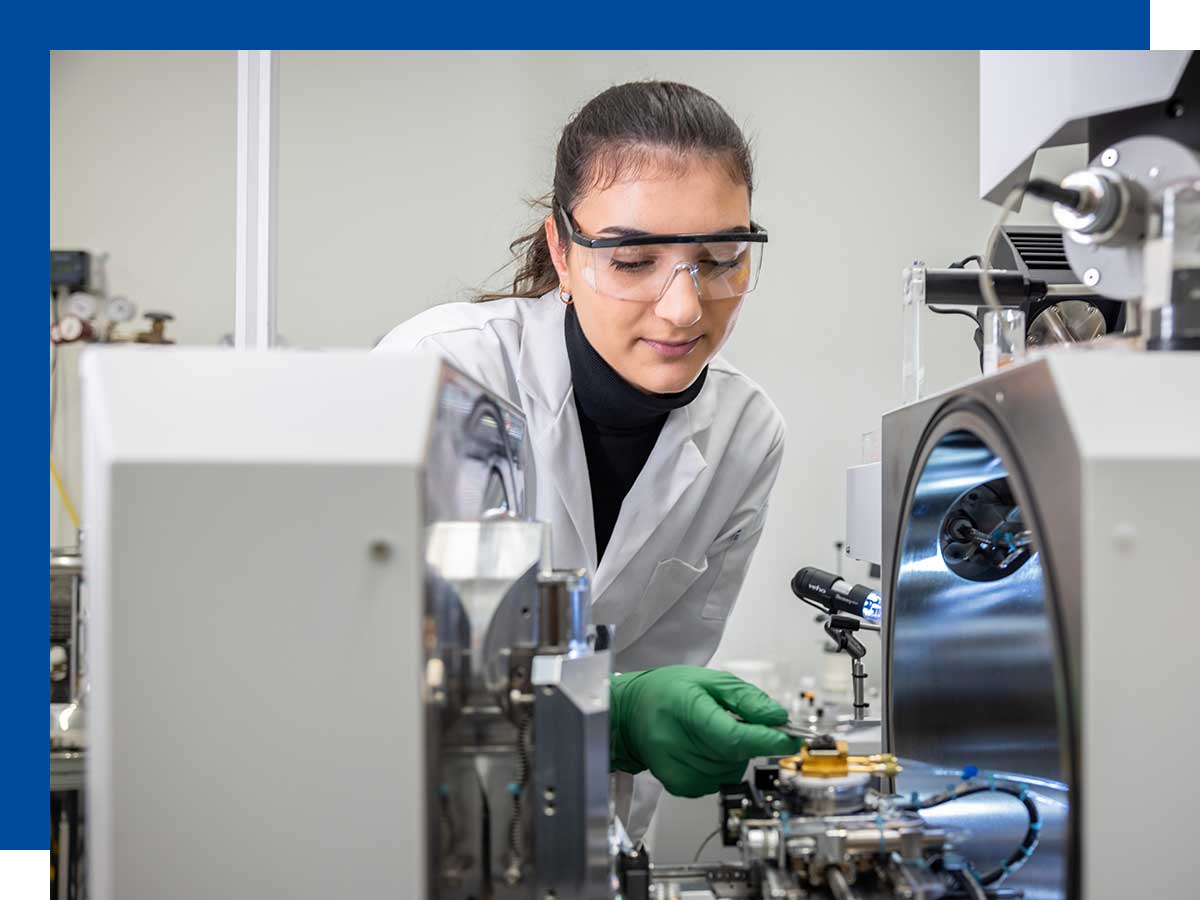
(1174, 24)
(24, 873)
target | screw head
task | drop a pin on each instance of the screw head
(1125, 536)
(1091, 277)
(381, 551)
(1109, 157)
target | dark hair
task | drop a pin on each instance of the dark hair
(625, 128)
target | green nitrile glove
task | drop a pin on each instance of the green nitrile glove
(676, 722)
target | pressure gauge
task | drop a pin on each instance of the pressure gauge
(81, 304)
(120, 310)
(68, 330)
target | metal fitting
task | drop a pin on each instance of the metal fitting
(1111, 208)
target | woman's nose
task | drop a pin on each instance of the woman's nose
(680, 304)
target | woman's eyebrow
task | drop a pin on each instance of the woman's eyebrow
(622, 231)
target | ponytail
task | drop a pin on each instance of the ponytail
(536, 274)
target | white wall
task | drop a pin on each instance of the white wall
(142, 167)
(401, 181)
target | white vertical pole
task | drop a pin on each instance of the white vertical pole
(254, 328)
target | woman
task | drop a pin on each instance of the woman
(653, 456)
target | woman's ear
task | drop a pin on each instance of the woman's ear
(557, 256)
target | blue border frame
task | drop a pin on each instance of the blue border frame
(935, 24)
(24, 633)
(698, 24)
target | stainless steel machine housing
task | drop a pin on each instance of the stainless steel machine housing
(1032, 671)
(332, 659)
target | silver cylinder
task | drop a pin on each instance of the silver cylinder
(564, 596)
(811, 795)
(63, 873)
(839, 886)
(858, 678)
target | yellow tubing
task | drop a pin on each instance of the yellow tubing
(62, 491)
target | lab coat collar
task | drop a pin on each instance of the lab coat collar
(543, 371)
(544, 374)
(672, 467)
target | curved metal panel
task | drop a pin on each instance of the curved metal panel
(973, 661)
(976, 672)
(478, 459)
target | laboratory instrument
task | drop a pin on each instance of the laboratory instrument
(835, 595)
(832, 594)
(338, 660)
(68, 725)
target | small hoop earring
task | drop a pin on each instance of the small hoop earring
(565, 296)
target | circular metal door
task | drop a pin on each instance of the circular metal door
(976, 674)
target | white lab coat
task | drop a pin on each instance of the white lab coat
(689, 524)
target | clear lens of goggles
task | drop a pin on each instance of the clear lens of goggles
(719, 270)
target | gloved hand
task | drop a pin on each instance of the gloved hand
(676, 722)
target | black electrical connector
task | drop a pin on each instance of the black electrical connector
(1048, 190)
(633, 873)
(960, 287)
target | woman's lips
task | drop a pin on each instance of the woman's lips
(671, 350)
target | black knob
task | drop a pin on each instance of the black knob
(822, 742)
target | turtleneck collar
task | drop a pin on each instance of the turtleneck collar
(608, 399)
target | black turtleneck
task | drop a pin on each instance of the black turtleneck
(619, 425)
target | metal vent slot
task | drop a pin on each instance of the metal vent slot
(60, 625)
(61, 599)
(1040, 250)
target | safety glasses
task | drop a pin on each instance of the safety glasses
(641, 267)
